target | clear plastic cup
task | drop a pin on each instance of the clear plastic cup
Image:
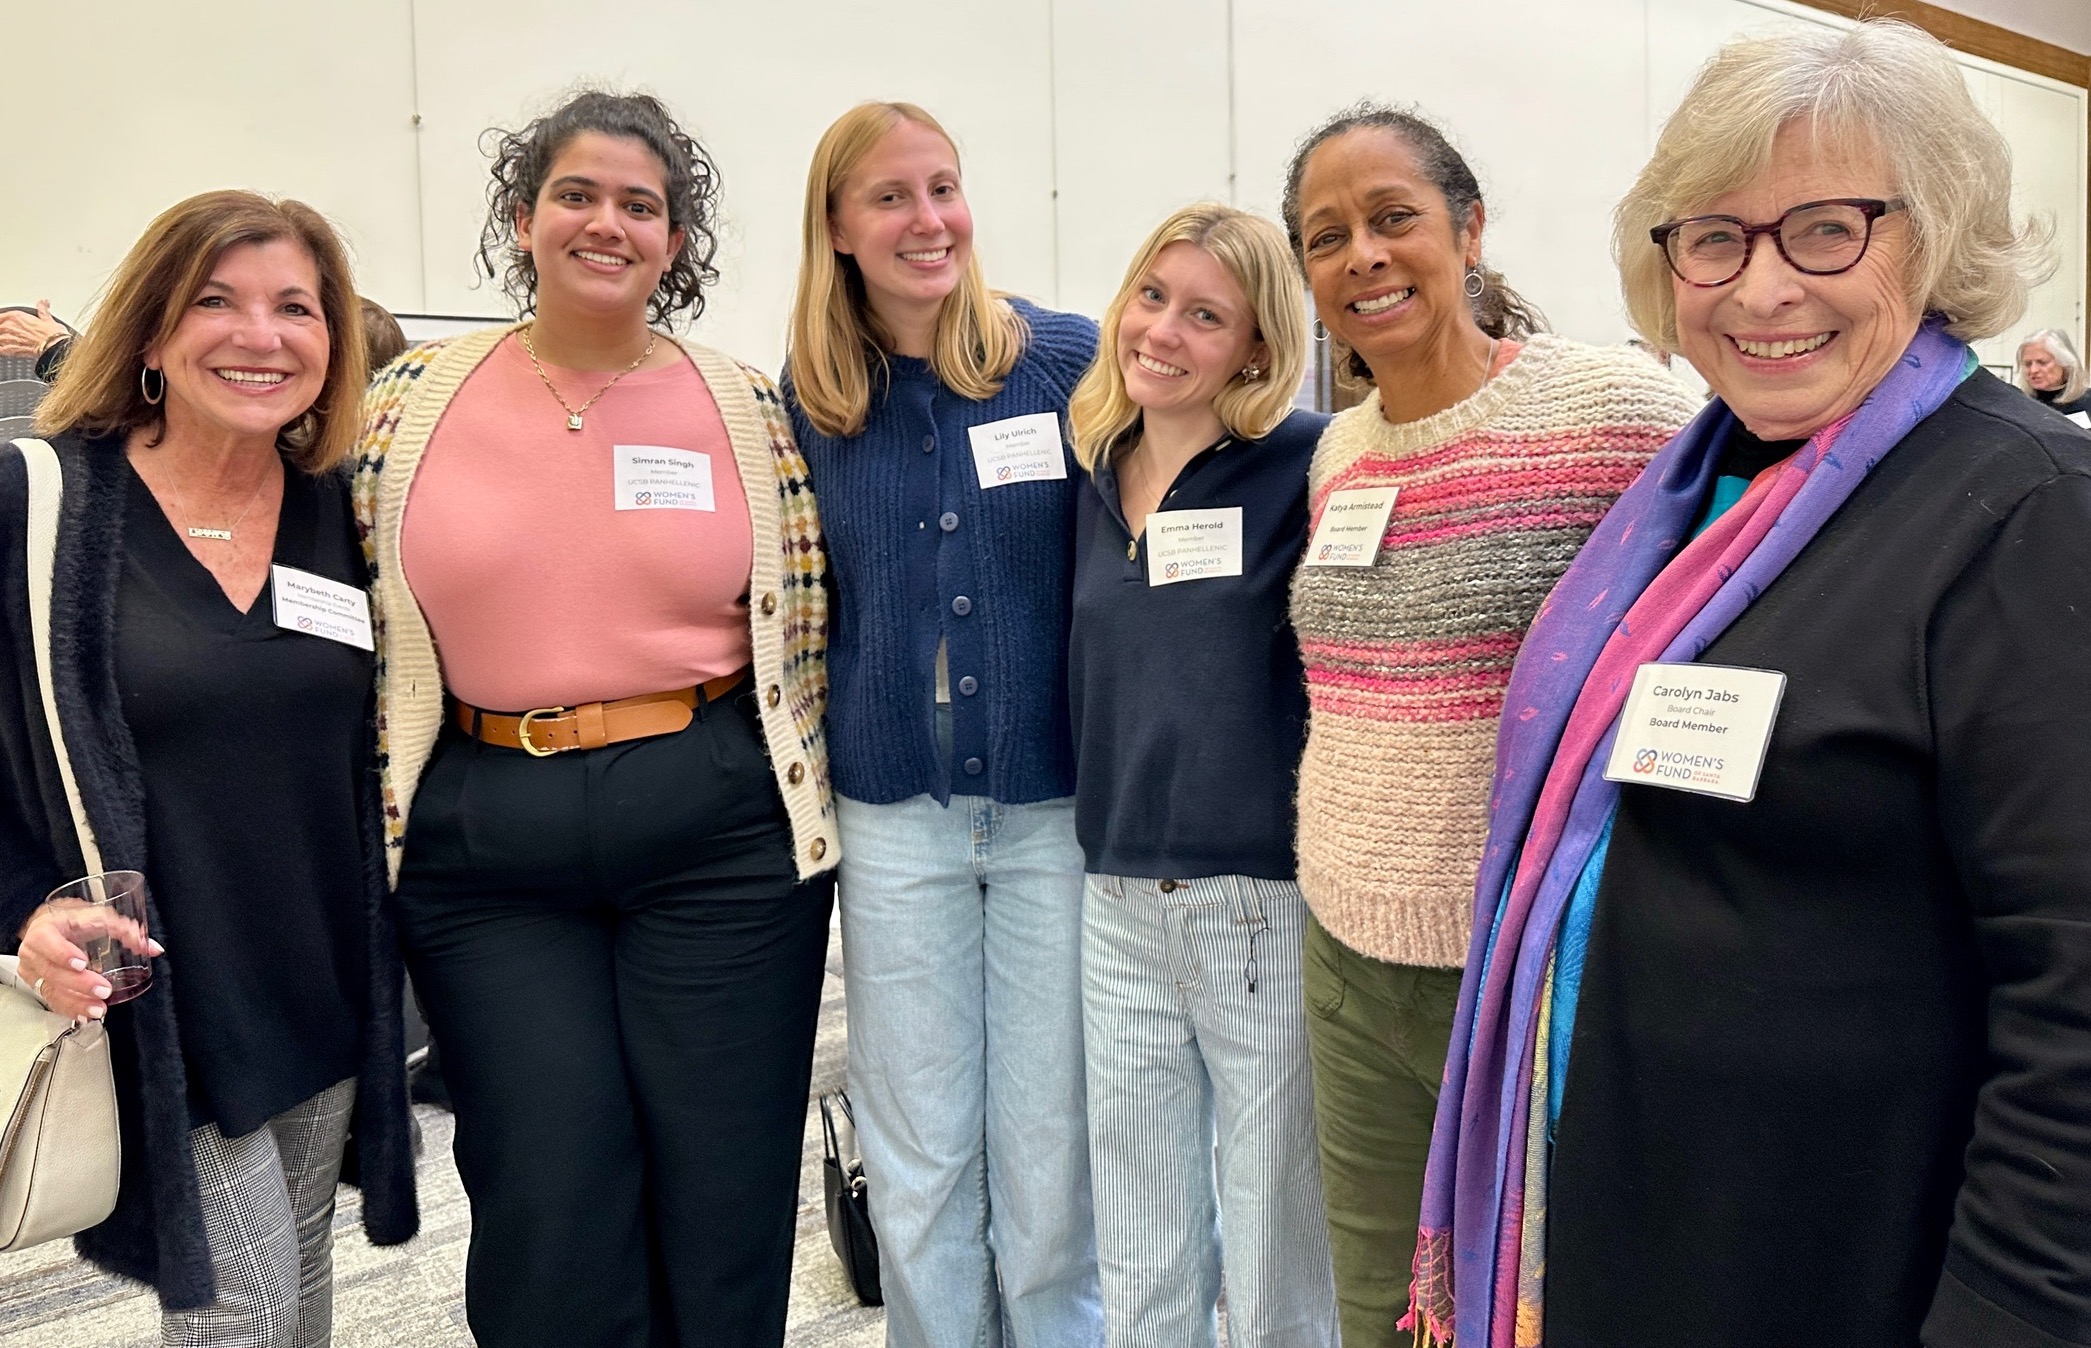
(104, 915)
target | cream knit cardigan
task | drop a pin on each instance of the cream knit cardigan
(787, 610)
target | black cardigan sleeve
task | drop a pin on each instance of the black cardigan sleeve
(28, 773)
(2008, 655)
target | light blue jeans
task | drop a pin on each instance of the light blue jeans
(1197, 1038)
(961, 947)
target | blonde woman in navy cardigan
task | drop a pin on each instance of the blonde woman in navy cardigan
(1190, 714)
(929, 410)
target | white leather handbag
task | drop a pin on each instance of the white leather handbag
(60, 1155)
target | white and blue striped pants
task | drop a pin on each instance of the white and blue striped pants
(1196, 1042)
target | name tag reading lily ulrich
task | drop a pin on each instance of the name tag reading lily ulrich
(1698, 728)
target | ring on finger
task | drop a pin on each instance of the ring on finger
(39, 989)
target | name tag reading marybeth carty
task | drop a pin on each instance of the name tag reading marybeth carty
(1193, 545)
(1017, 449)
(1353, 522)
(318, 607)
(1698, 728)
(655, 477)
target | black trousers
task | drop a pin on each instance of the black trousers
(624, 974)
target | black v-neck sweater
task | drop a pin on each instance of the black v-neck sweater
(251, 740)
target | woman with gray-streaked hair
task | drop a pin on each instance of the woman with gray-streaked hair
(1775, 1022)
(2050, 369)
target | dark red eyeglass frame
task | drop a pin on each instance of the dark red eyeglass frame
(1873, 208)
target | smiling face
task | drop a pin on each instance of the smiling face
(1788, 352)
(2043, 371)
(598, 232)
(250, 353)
(1185, 333)
(902, 215)
(1386, 261)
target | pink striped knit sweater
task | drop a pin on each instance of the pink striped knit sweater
(1407, 660)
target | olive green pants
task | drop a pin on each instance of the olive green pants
(1377, 1035)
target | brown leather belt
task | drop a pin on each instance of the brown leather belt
(554, 730)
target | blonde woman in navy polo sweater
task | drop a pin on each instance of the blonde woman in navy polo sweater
(1190, 715)
(929, 410)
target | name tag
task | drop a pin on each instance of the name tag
(1352, 525)
(1017, 449)
(1193, 545)
(654, 477)
(1699, 728)
(318, 607)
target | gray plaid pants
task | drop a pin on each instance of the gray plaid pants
(268, 1213)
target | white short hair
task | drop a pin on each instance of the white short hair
(2057, 344)
(1882, 84)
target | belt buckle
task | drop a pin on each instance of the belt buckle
(522, 731)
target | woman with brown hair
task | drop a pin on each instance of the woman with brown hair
(223, 747)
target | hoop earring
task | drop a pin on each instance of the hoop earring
(1475, 283)
(1321, 333)
(145, 390)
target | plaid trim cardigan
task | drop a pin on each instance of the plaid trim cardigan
(787, 610)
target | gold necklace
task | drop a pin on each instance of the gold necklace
(215, 535)
(573, 414)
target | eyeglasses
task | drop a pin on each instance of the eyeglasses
(1820, 238)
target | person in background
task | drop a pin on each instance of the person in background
(1800, 1042)
(36, 334)
(2050, 369)
(226, 751)
(1189, 718)
(1493, 450)
(598, 583)
(929, 408)
(382, 340)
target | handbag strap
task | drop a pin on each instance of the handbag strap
(46, 493)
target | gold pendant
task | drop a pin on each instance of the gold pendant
(573, 421)
(222, 535)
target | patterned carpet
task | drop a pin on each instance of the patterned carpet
(413, 1296)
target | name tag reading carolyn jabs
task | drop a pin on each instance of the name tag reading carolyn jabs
(1017, 449)
(1193, 545)
(318, 607)
(1698, 728)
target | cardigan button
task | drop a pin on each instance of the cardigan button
(769, 605)
(948, 521)
(797, 774)
(974, 767)
(819, 849)
(929, 443)
(774, 695)
(961, 606)
(969, 685)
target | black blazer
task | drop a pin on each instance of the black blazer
(156, 1233)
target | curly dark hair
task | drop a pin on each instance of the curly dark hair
(522, 159)
(1499, 310)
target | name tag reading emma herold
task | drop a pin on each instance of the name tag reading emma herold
(1698, 728)
(318, 607)
(1017, 449)
(1352, 524)
(654, 477)
(1193, 545)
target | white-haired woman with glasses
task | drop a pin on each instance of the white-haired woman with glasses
(1190, 712)
(1776, 1010)
(2050, 369)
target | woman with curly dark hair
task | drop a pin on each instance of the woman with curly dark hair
(608, 795)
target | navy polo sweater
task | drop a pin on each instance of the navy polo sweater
(919, 552)
(1190, 707)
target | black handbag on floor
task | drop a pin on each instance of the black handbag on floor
(849, 1202)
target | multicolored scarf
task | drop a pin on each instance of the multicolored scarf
(1631, 597)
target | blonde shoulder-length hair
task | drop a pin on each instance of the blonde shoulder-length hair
(2075, 379)
(1255, 253)
(836, 339)
(100, 386)
(1881, 88)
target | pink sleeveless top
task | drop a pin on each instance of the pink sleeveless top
(556, 567)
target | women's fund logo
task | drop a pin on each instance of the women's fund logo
(642, 498)
(1644, 761)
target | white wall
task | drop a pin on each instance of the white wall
(1082, 122)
